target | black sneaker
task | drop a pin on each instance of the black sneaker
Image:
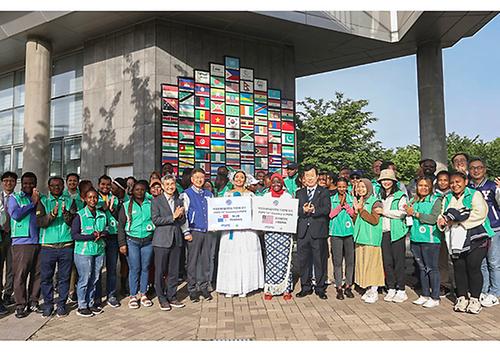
(176, 303)
(8, 300)
(206, 295)
(61, 312)
(34, 307)
(21, 313)
(72, 299)
(194, 297)
(340, 293)
(3, 309)
(96, 309)
(113, 302)
(84, 312)
(348, 292)
(47, 312)
(165, 306)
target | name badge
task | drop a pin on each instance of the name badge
(149, 227)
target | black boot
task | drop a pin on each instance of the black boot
(348, 292)
(340, 293)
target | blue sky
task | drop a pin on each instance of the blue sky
(472, 89)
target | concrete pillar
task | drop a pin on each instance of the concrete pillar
(36, 149)
(431, 102)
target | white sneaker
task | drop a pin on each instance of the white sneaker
(474, 306)
(482, 297)
(400, 296)
(431, 303)
(366, 294)
(390, 295)
(228, 295)
(372, 298)
(421, 300)
(489, 300)
(242, 295)
(461, 304)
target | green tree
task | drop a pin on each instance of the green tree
(407, 161)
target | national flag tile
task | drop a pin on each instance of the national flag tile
(288, 139)
(217, 145)
(186, 135)
(246, 99)
(232, 75)
(247, 147)
(170, 157)
(217, 70)
(274, 115)
(186, 162)
(232, 110)
(261, 140)
(248, 168)
(260, 130)
(169, 145)
(202, 77)
(202, 128)
(202, 142)
(246, 124)
(260, 109)
(275, 161)
(260, 120)
(217, 120)
(260, 97)
(232, 146)
(232, 134)
(261, 151)
(217, 82)
(217, 132)
(233, 159)
(218, 157)
(274, 103)
(232, 98)
(186, 84)
(246, 74)
(232, 62)
(232, 122)
(205, 166)
(169, 91)
(260, 85)
(288, 152)
(186, 110)
(232, 87)
(274, 94)
(186, 124)
(261, 163)
(274, 149)
(202, 103)
(186, 98)
(287, 104)
(202, 115)
(214, 168)
(287, 126)
(186, 150)
(246, 86)
(202, 90)
(216, 107)
(217, 94)
(247, 157)
(287, 115)
(274, 137)
(202, 155)
(169, 120)
(274, 125)
(246, 111)
(246, 135)
(273, 170)
(170, 132)
(170, 106)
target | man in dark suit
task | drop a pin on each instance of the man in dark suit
(312, 233)
(168, 215)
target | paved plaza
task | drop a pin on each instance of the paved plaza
(252, 318)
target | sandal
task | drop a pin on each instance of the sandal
(145, 301)
(268, 296)
(132, 303)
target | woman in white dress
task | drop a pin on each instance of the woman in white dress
(241, 269)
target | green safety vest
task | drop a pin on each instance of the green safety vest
(262, 192)
(364, 232)
(341, 225)
(21, 228)
(141, 225)
(467, 202)
(376, 187)
(111, 221)
(226, 188)
(398, 226)
(89, 224)
(76, 197)
(291, 184)
(57, 231)
(425, 233)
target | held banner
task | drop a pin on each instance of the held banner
(275, 214)
(229, 213)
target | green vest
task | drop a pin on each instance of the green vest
(141, 225)
(76, 197)
(227, 187)
(58, 231)
(376, 187)
(112, 223)
(341, 225)
(21, 228)
(364, 232)
(467, 201)
(179, 188)
(291, 184)
(398, 226)
(262, 192)
(425, 233)
(89, 224)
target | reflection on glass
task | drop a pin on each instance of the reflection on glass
(18, 125)
(66, 116)
(55, 159)
(6, 91)
(67, 77)
(19, 88)
(18, 161)
(6, 127)
(5, 160)
(72, 150)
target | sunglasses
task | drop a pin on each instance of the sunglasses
(355, 177)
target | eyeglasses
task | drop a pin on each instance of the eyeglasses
(480, 167)
(355, 177)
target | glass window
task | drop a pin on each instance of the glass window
(18, 137)
(5, 160)
(55, 159)
(6, 127)
(19, 88)
(18, 161)
(6, 91)
(72, 150)
(67, 76)
(66, 116)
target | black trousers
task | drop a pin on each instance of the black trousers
(467, 270)
(6, 260)
(166, 272)
(26, 263)
(393, 256)
(312, 252)
(199, 251)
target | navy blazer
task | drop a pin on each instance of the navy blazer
(316, 224)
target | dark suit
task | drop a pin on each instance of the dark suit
(167, 243)
(312, 234)
(5, 253)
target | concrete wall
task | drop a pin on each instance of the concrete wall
(122, 75)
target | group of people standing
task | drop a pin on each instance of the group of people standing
(158, 229)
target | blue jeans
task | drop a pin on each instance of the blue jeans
(140, 254)
(111, 260)
(427, 258)
(490, 267)
(51, 257)
(88, 267)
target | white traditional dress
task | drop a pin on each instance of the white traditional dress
(241, 269)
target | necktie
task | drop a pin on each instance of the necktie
(309, 194)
